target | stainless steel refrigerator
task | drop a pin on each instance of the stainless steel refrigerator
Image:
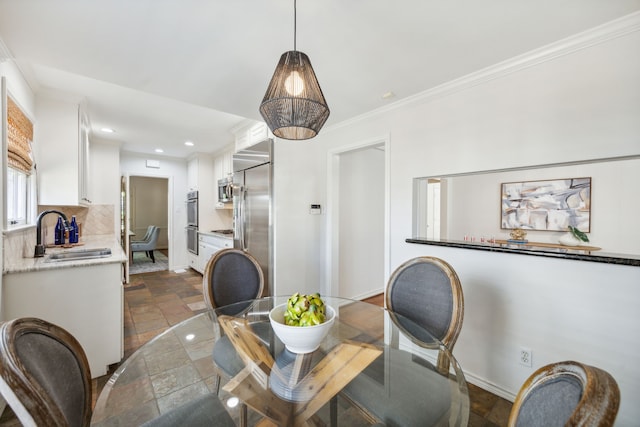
(252, 206)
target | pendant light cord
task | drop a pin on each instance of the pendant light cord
(294, 24)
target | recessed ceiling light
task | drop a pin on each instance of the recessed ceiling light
(159, 150)
(107, 130)
(188, 143)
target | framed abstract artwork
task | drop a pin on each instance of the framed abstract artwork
(551, 205)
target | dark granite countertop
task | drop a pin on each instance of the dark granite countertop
(512, 248)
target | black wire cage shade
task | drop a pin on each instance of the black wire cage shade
(294, 106)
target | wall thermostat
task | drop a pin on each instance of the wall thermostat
(315, 209)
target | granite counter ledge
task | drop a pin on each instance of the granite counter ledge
(579, 255)
(118, 255)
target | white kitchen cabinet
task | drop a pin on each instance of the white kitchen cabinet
(251, 134)
(223, 163)
(193, 261)
(62, 152)
(208, 245)
(87, 301)
(192, 174)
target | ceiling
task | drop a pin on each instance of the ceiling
(161, 72)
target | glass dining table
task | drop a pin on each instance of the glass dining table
(373, 367)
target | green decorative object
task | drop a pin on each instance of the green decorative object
(304, 310)
(578, 234)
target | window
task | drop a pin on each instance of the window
(17, 197)
(18, 174)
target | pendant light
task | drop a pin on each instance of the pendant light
(293, 106)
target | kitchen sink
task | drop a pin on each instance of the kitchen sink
(79, 254)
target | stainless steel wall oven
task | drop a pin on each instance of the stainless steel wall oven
(192, 209)
(192, 222)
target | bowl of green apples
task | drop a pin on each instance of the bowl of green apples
(302, 322)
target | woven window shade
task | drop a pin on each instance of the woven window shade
(20, 135)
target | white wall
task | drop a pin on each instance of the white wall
(361, 223)
(572, 102)
(104, 177)
(18, 88)
(299, 180)
(134, 164)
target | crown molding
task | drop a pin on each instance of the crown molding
(243, 125)
(5, 54)
(23, 69)
(611, 30)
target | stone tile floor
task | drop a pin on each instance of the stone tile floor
(156, 301)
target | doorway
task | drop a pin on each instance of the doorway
(358, 220)
(148, 204)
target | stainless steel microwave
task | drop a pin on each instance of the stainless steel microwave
(225, 190)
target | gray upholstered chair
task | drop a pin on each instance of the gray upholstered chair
(427, 294)
(149, 245)
(45, 378)
(45, 375)
(232, 276)
(566, 394)
(146, 237)
(427, 291)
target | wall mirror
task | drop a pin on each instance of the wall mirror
(467, 206)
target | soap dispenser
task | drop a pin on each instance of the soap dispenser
(73, 230)
(59, 232)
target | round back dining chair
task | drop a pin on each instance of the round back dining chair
(427, 291)
(566, 394)
(45, 375)
(231, 276)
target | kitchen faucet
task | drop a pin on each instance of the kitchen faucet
(39, 252)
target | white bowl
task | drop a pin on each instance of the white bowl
(300, 339)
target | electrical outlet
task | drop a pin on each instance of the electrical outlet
(525, 356)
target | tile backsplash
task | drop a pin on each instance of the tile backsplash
(92, 220)
(19, 244)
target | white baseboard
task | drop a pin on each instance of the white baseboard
(367, 294)
(488, 386)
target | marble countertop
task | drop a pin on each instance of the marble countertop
(213, 233)
(118, 255)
